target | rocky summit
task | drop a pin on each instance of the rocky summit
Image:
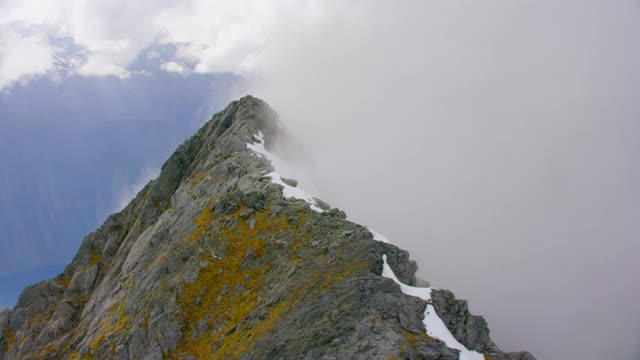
(221, 258)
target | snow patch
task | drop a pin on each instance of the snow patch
(432, 322)
(258, 146)
(288, 191)
(294, 192)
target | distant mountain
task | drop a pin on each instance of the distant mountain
(221, 257)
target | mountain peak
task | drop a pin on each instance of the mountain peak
(252, 110)
(220, 257)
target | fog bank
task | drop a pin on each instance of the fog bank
(497, 141)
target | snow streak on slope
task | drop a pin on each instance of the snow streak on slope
(432, 322)
(288, 191)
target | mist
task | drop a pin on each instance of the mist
(496, 141)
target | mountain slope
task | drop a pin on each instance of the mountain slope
(221, 258)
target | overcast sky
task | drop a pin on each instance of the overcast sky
(496, 140)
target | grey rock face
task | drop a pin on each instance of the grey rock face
(323, 205)
(290, 182)
(83, 281)
(5, 314)
(470, 330)
(422, 283)
(211, 261)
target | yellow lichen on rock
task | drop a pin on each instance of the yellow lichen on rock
(225, 293)
(115, 321)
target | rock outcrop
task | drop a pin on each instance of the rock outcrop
(212, 260)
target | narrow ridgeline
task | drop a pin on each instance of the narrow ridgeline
(222, 258)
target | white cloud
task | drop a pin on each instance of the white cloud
(174, 67)
(34, 12)
(494, 134)
(99, 66)
(152, 55)
(210, 36)
(23, 57)
(109, 36)
(220, 36)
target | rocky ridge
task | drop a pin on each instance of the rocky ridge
(212, 260)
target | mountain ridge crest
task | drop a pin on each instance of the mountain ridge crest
(215, 259)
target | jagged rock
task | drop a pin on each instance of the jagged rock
(5, 314)
(255, 200)
(233, 143)
(61, 322)
(290, 182)
(321, 204)
(470, 330)
(137, 344)
(422, 283)
(210, 260)
(246, 213)
(83, 280)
